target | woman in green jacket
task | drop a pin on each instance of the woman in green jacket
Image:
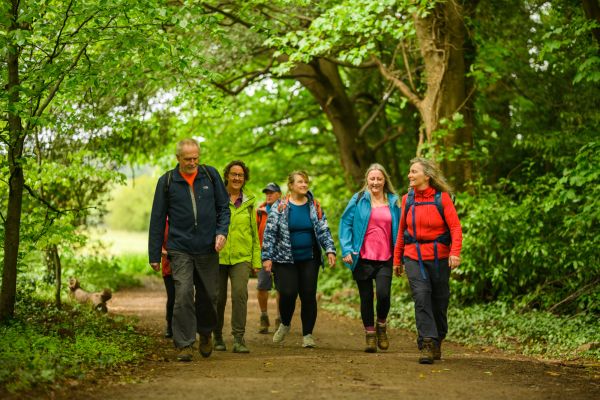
(239, 256)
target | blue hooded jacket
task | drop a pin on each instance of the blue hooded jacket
(355, 220)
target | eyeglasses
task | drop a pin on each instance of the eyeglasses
(234, 175)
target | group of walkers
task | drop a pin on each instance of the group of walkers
(209, 232)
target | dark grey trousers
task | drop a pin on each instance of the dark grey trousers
(185, 322)
(431, 297)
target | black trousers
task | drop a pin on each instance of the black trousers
(170, 288)
(293, 280)
(365, 272)
(431, 297)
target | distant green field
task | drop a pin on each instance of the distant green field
(121, 242)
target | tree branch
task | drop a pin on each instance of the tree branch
(406, 91)
(387, 138)
(386, 96)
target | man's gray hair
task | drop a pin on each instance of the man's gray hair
(186, 142)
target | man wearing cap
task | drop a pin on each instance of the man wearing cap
(265, 279)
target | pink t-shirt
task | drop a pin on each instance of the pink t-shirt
(377, 244)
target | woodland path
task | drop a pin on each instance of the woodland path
(337, 369)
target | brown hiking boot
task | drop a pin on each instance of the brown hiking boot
(185, 354)
(426, 356)
(382, 339)
(264, 324)
(206, 346)
(371, 340)
(437, 351)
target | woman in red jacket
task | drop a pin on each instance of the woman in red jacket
(427, 248)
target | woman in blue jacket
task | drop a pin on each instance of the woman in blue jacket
(368, 231)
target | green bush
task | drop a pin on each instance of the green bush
(43, 345)
(535, 244)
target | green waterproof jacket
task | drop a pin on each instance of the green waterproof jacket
(242, 240)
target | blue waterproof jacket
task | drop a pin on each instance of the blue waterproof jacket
(195, 217)
(355, 220)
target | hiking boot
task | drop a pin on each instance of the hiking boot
(264, 324)
(371, 339)
(426, 356)
(185, 354)
(308, 341)
(205, 347)
(219, 344)
(239, 346)
(437, 351)
(168, 332)
(382, 339)
(280, 333)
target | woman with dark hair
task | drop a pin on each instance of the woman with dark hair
(368, 230)
(295, 233)
(240, 254)
(427, 248)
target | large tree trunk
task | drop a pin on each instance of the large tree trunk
(441, 36)
(16, 179)
(323, 81)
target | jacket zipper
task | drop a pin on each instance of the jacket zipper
(194, 207)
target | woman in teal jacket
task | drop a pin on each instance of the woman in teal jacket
(240, 254)
(367, 232)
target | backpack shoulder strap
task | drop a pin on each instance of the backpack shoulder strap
(207, 173)
(439, 206)
(410, 200)
(319, 209)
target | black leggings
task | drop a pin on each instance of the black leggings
(381, 272)
(299, 278)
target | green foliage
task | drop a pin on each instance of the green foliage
(130, 206)
(43, 345)
(497, 324)
(97, 272)
(539, 245)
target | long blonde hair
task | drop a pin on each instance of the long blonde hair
(388, 187)
(431, 170)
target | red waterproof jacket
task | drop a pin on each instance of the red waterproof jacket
(164, 261)
(429, 226)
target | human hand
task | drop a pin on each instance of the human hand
(347, 259)
(220, 242)
(453, 261)
(331, 259)
(267, 265)
(155, 266)
(398, 269)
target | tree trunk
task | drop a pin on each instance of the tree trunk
(16, 179)
(54, 266)
(323, 81)
(441, 36)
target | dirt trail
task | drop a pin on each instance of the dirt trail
(336, 369)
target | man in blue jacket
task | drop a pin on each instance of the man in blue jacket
(195, 200)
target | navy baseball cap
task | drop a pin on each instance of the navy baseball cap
(271, 187)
